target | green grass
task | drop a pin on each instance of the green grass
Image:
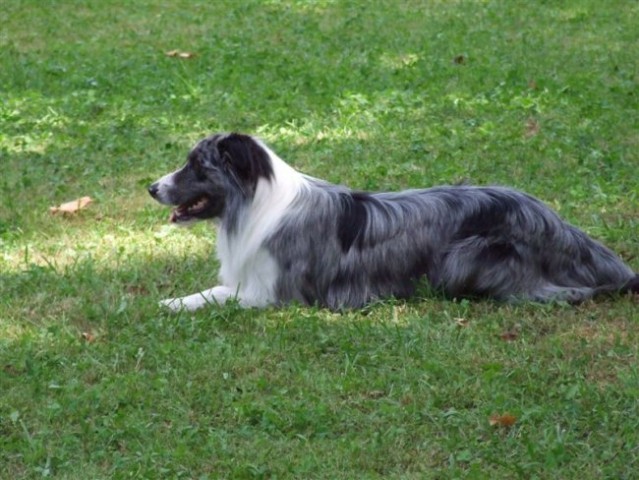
(97, 382)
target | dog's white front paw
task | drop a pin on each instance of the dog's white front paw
(173, 304)
(188, 304)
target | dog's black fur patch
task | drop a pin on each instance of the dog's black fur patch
(246, 160)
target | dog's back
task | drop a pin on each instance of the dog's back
(342, 249)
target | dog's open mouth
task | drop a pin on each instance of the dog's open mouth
(190, 210)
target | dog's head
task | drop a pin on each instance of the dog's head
(220, 168)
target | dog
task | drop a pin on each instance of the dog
(287, 237)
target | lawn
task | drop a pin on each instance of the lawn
(97, 382)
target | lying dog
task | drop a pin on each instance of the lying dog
(284, 237)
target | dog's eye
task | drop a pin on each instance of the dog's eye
(194, 163)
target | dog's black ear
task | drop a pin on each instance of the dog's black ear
(245, 159)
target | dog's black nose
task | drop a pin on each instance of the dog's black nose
(153, 190)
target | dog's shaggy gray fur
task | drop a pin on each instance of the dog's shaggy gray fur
(339, 248)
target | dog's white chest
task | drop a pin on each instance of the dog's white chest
(252, 272)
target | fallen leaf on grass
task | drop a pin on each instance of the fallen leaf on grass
(137, 290)
(461, 322)
(179, 54)
(88, 337)
(72, 206)
(375, 394)
(532, 128)
(509, 336)
(459, 60)
(505, 420)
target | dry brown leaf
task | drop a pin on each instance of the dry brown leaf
(375, 394)
(459, 60)
(461, 322)
(72, 206)
(137, 290)
(509, 336)
(532, 128)
(88, 337)
(505, 420)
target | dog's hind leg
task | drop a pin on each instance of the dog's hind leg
(549, 292)
(555, 293)
(213, 296)
(482, 267)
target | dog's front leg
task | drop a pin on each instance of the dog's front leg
(216, 296)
